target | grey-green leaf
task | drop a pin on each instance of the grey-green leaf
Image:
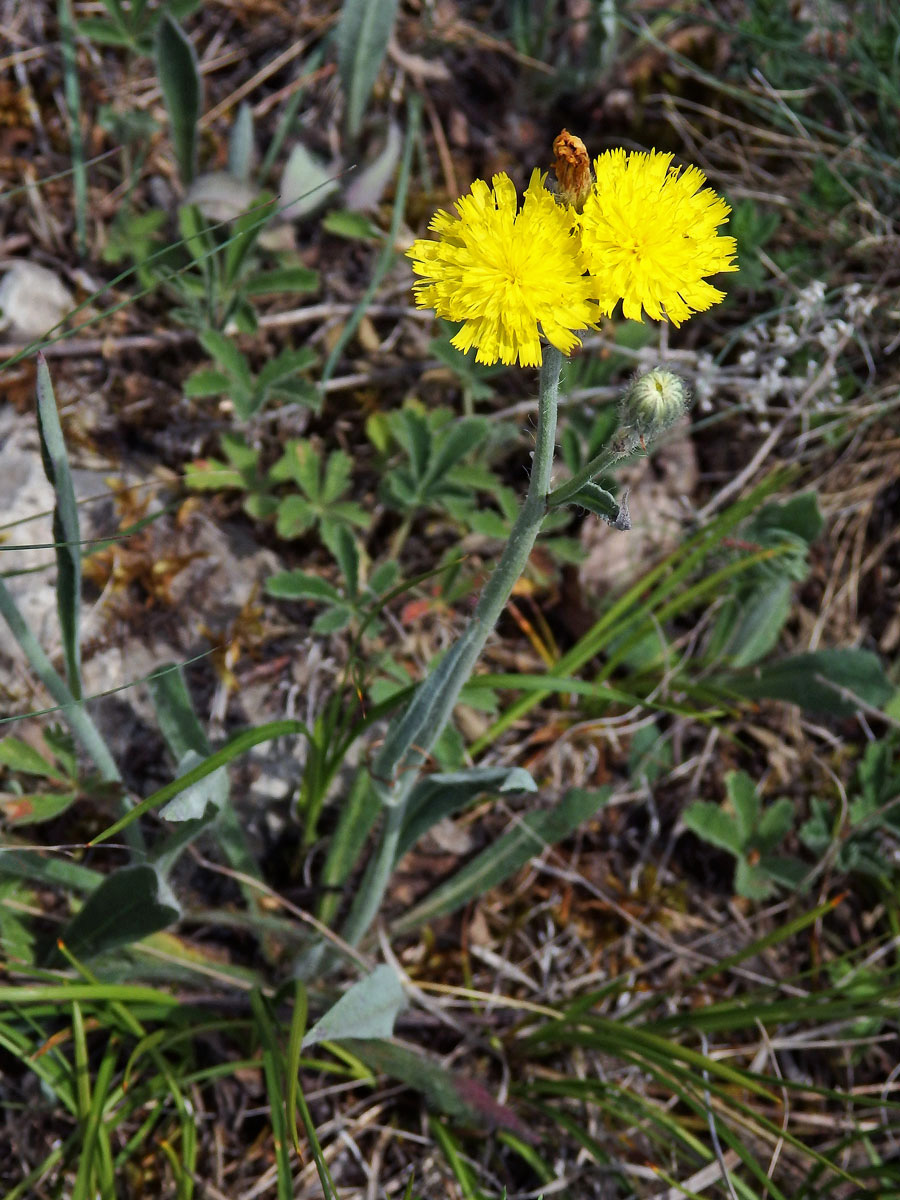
(533, 834)
(367, 186)
(128, 905)
(363, 34)
(439, 795)
(306, 183)
(66, 533)
(178, 723)
(241, 148)
(179, 78)
(368, 1010)
(200, 801)
(825, 681)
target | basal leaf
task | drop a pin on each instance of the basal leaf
(368, 1010)
(66, 533)
(530, 837)
(363, 34)
(179, 79)
(128, 905)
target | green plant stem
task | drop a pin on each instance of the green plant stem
(396, 768)
(398, 541)
(73, 710)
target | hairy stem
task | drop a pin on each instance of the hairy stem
(406, 747)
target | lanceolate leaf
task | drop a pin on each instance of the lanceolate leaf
(825, 681)
(179, 78)
(65, 526)
(530, 837)
(128, 905)
(439, 795)
(362, 38)
(464, 1098)
(240, 143)
(368, 1010)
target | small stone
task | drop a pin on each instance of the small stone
(33, 300)
(221, 196)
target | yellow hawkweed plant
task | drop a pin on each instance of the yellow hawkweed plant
(524, 283)
(636, 229)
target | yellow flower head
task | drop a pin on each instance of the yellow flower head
(508, 274)
(649, 236)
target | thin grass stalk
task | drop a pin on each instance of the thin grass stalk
(73, 105)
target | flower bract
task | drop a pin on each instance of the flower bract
(509, 274)
(649, 236)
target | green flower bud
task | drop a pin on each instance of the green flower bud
(653, 403)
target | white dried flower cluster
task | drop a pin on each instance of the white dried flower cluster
(790, 360)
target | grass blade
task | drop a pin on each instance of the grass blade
(234, 748)
(73, 104)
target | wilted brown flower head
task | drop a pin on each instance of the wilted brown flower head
(573, 169)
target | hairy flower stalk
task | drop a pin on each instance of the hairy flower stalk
(524, 283)
(407, 745)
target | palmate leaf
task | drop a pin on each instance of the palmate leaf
(231, 361)
(245, 233)
(714, 825)
(105, 33)
(19, 756)
(347, 511)
(31, 808)
(333, 620)
(212, 475)
(299, 585)
(295, 517)
(297, 279)
(451, 447)
(206, 381)
(336, 478)
(342, 544)
(286, 364)
(775, 824)
(299, 464)
(745, 802)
